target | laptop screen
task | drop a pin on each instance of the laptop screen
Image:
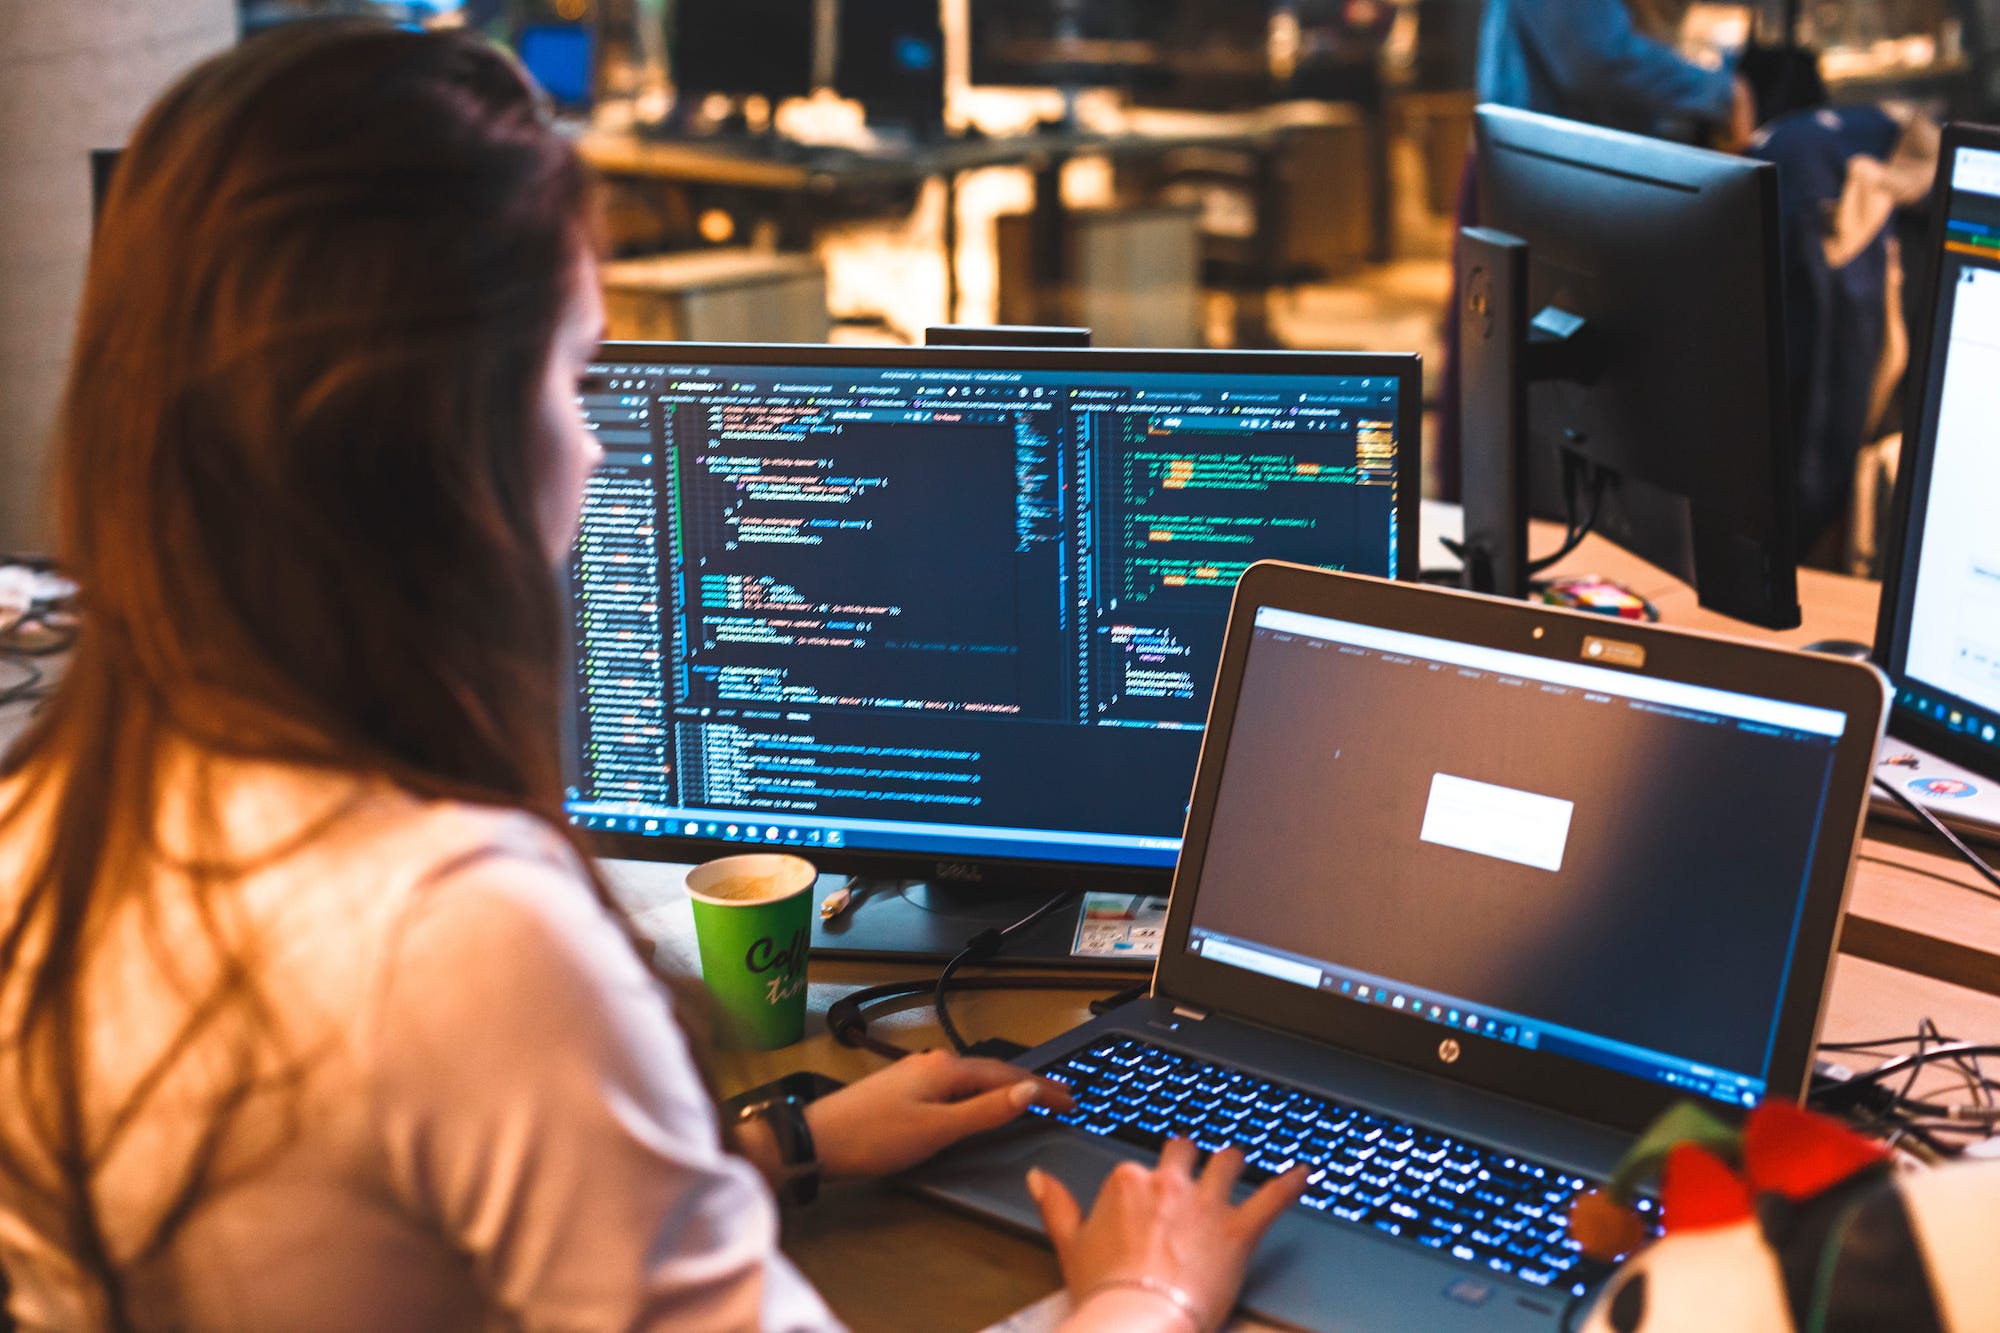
(1945, 636)
(1573, 859)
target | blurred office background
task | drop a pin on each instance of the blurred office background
(1221, 173)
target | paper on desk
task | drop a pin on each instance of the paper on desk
(1049, 1312)
(1120, 925)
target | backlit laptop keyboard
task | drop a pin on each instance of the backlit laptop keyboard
(1496, 1212)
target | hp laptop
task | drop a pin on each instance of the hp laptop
(1938, 635)
(1471, 890)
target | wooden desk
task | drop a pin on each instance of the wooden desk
(862, 1242)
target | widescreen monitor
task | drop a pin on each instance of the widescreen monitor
(562, 58)
(743, 48)
(1036, 43)
(1646, 352)
(947, 614)
(889, 56)
(1939, 632)
(1213, 55)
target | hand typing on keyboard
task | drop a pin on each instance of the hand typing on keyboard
(1161, 1247)
(1485, 1208)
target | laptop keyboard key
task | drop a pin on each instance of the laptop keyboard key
(1499, 1213)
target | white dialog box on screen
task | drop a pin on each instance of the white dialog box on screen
(1517, 826)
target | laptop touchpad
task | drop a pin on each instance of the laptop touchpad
(995, 1170)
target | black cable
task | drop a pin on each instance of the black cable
(1878, 1043)
(1909, 869)
(979, 948)
(1968, 1064)
(1578, 531)
(1938, 827)
(1101, 1007)
(42, 628)
(1917, 1060)
(847, 1020)
(1896, 1113)
(1924, 1055)
(847, 1017)
(53, 639)
(1574, 530)
(1921, 1134)
(27, 687)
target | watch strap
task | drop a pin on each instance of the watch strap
(798, 1181)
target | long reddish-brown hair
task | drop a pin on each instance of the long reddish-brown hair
(296, 478)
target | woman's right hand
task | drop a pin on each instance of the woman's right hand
(1163, 1228)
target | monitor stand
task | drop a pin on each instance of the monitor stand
(918, 921)
(1502, 351)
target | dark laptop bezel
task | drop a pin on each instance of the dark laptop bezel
(993, 868)
(1913, 481)
(1620, 1101)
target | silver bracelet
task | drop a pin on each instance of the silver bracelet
(1184, 1304)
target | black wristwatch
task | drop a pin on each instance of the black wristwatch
(798, 1162)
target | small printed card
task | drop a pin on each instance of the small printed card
(1120, 925)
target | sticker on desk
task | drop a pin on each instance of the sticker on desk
(1120, 925)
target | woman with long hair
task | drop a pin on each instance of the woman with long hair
(312, 1014)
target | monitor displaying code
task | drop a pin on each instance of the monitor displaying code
(935, 610)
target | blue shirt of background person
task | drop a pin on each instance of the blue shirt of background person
(1588, 60)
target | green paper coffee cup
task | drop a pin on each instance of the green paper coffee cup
(753, 924)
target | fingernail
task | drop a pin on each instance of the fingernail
(1023, 1094)
(1036, 1183)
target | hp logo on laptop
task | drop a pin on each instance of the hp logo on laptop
(1448, 1050)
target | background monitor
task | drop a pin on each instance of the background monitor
(561, 57)
(1034, 43)
(1644, 358)
(1213, 55)
(743, 48)
(947, 614)
(889, 56)
(1938, 635)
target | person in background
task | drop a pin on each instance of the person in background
(313, 1014)
(1608, 62)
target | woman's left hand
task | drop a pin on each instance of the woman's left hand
(897, 1117)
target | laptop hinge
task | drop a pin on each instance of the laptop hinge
(1190, 1013)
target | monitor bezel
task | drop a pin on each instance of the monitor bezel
(689, 77)
(1591, 1092)
(985, 70)
(986, 870)
(906, 98)
(1913, 476)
